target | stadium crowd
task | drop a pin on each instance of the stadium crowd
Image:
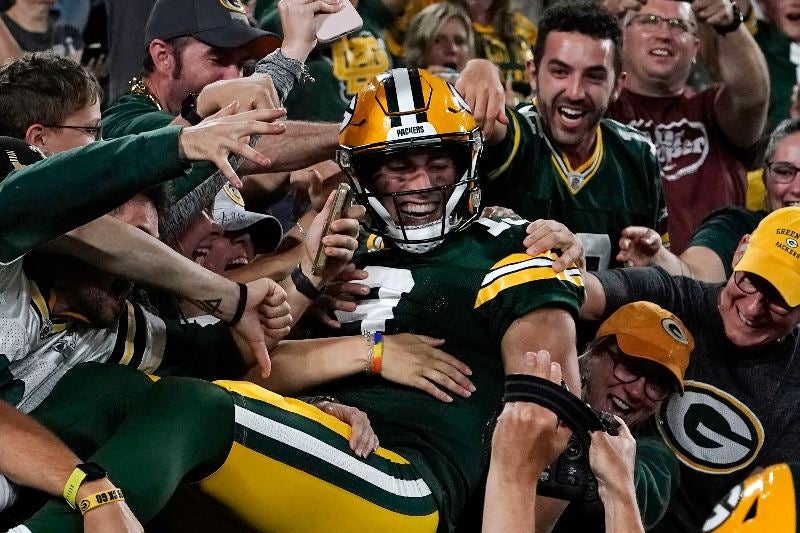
(471, 265)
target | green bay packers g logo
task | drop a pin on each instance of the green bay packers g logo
(233, 5)
(709, 430)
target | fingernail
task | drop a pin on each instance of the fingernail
(472, 388)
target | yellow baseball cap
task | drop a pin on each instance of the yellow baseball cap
(774, 253)
(647, 331)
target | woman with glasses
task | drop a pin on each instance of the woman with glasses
(712, 250)
(636, 361)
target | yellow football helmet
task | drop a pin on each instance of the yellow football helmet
(408, 111)
(765, 502)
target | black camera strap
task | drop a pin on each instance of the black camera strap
(578, 416)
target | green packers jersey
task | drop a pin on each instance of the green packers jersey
(467, 291)
(619, 186)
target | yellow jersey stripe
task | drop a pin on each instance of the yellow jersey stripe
(517, 137)
(527, 275)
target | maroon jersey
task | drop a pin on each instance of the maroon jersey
(701, 171)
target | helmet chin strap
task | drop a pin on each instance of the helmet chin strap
(432, 233)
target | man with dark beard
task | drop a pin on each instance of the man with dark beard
(557, 157)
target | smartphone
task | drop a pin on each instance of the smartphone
(341, 201)
(331, 26)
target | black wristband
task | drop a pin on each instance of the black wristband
(304, 285)
(189, 110)
(732, 25)
(237, 316)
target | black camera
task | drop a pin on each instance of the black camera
(570, 476)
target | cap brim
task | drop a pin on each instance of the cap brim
(785, 278)
(265, 231)
(257, 42)
(266, 235)
(635, 347)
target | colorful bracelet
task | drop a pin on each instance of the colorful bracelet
(377, 353)
(100, 498)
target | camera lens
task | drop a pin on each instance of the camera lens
(573, 451)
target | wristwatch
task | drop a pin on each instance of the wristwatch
(189, 109)
(83, 472)
(738, 18)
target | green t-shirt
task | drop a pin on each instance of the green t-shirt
(722, 230)
(136, 113)
(340, 68)
(467, 291)
(619, 186)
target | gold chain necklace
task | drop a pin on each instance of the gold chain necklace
(138, 88)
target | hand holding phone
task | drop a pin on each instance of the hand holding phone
(331, 26)
(341, 201)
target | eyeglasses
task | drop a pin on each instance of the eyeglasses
(751, 284)
(651, 22)
(782, 171)
(92, 131)
(629, 369)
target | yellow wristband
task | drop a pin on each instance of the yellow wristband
(73, 484)
(100, 498)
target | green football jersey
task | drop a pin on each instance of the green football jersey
(467, 291)
(619, 186)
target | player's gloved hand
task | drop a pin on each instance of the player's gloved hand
(416, 361)
(266, 320)
(638, 246)
(482, 89)
(363, 440)
(543, 235)
(227, 132)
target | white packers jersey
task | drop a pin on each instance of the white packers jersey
(37, 349)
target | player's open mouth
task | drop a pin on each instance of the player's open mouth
(795, 203)
(413, 213)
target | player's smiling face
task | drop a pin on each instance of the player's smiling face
(574, 83)
(409, 173)
(658, 56)
(784, 194)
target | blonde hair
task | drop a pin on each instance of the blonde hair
(425, 25)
